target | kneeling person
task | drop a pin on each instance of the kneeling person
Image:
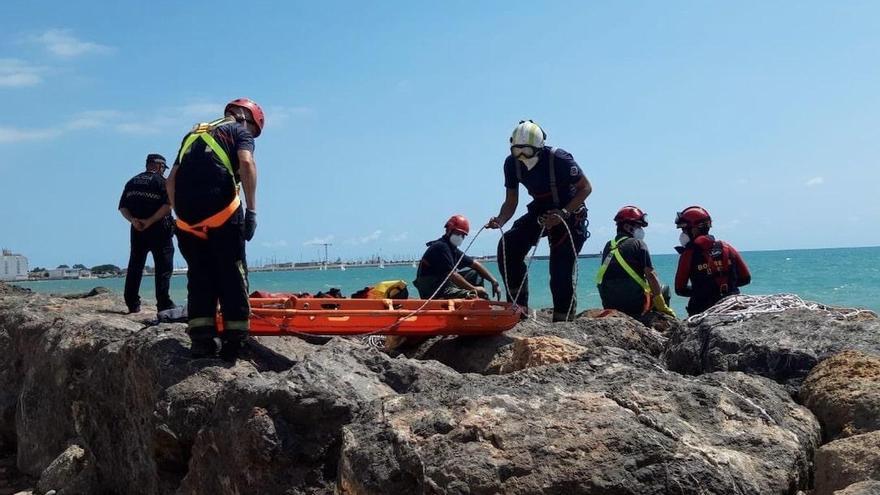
(626, 280)
(440, 258)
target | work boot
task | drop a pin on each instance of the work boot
(203, 348)
(564, 315)
(231, 350)
(134, 309)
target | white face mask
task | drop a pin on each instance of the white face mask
(529, 162)
(684, 239)
(638, 233)
(456, 239)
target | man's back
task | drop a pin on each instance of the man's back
(203, 184)
(144, 194)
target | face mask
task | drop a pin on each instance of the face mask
(529, 162)
(684, 239)
(456, 239)
(638, 233)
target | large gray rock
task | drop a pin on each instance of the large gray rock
(843, 392)
(783, 346)
(612, 423)
(286, 428)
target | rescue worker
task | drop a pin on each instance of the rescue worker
(215, 160)
(714, 268)
(558, 188)
(440, 259)
(144, 203)
(626, 280)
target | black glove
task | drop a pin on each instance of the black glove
(250, 224)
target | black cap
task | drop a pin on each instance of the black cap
(155, 157)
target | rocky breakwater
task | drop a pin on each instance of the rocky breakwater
(827, 358)
(94, 401)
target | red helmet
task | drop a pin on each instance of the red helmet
(458, 223)
(631, 214)
(693, 216)
(256, 111)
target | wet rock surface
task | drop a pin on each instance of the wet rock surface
(96, 401)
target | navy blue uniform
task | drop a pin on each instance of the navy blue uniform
(523, 235)
(142, 196)
(203, 187)
(537, 180)
(216, 266)
(435, 265)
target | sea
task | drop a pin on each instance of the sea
(846, 277)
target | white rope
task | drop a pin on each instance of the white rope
(742, 307)
(575, 274)
(428, 300)
(370, 338)
(574, 278)
(528, 265)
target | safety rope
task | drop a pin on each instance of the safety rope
(742, 307)
(371, 339)
(528, 265)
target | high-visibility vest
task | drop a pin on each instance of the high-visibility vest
(202, 131)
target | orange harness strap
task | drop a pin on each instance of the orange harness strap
(200, 229)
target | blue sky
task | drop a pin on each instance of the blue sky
(385, 118)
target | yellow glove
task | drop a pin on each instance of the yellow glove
(661, 306)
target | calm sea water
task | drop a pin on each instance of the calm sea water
(844, 277)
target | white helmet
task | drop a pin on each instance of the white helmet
(528, 133)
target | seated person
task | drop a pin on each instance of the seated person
(440, 258)
(626, 280)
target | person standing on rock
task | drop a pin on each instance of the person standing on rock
(144, 203)
(558, 188)
(215, 160)
(714, 268)
(466, 282)
(626, 280)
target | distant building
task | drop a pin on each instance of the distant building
(13, 266)
(64, 273)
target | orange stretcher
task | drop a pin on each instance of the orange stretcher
(328, 316)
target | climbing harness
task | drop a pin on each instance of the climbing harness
(202, 132)
(600, 275)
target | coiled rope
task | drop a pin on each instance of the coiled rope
(742, 307)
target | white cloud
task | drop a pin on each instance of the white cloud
(92, 119)
(16, 73)
(60, 42)
(815, 181)
(277, 115)
(374, 236)
(13, 135)
(399, 237)
(84, 120)
(203, 111)
(274, 244)
(176, 120)
(318, 240)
